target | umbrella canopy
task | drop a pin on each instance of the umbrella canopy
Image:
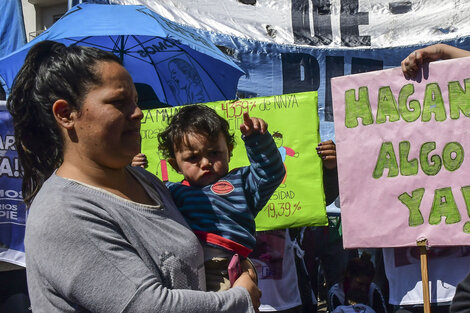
(170, 62)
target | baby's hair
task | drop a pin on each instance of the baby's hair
(196, 119)
(361, 266)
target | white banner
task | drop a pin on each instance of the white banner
(331, 23)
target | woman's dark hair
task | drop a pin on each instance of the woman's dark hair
(51, 71)
(360, 266)
(198, 119)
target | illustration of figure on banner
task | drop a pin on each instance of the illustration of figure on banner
(284, 151)
(186, 83)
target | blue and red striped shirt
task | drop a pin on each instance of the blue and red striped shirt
(222, 214)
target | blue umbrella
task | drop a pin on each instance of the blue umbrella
(172, 61)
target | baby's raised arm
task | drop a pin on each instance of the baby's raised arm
(252, 125)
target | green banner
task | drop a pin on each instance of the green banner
(293, 122)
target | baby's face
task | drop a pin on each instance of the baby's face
(201, 161)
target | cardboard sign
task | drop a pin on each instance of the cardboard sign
(293, 122)
(402, 162)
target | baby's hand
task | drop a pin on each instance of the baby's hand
(140, 160)
(327, 152)
(252, 125)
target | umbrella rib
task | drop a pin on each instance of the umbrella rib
(153, 65)
(78, 40)
(88, 43)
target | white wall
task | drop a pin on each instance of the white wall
(39, 14)
(29, 16)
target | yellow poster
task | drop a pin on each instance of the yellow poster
(293, 122)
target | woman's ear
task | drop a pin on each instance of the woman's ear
(174, 165)
(64, 114)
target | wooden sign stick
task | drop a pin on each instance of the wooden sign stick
(424, 274)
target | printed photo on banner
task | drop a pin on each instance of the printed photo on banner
(293, 123)
(268, 254)
(401, 156)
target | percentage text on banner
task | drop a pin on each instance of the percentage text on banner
(281, 209)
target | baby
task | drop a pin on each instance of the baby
(220, 206)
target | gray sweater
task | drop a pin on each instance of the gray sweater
(88, 250)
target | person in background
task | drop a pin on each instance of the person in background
(355, 300)
(358, 282)
(101, 236)
(461, 301)
(322, 244)
(14, 296)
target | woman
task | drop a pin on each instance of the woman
(101, 236)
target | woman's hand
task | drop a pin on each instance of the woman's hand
(246, 280)
(326, 150)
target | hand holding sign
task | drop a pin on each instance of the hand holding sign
(252, 124)
(413, 62)
(327, 151)
(402, 154)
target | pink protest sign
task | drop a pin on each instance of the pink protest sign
(403, 151)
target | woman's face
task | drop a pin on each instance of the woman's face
(108, 124)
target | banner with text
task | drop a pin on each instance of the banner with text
(401, 156)
(293, 123)
(12, 207)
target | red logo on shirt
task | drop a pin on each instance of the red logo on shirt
(222, 187)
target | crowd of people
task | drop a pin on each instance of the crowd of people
(105, 235)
